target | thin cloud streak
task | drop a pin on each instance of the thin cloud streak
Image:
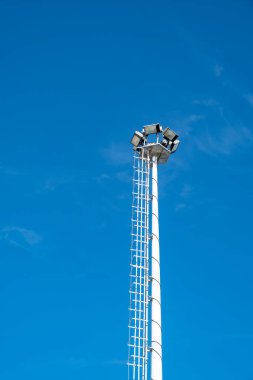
(226, 142)
(4, 169)
(186, 191)
(81, 362)
(184, 125)
(249, 98)
(206, 102)
(52, 183)
(218, 70)
(12, 233)
(117, 154)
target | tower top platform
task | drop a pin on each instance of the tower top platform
(154, 150)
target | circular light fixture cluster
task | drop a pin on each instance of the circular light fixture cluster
(169, 138)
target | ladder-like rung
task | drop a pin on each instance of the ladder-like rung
(139, 257)
(130, 291)
(140, 170)
(137, 356)
(135, 275)
(138, 224)
(136, 327)
(140, 301)
(139, 267)
(136, 287)
(141, 240)
(138, 221)
(139, 319)
(135, 345)
(139, 205)
(134, 365)
(138, 337)
(140, 183)
(137, 311)
(140, 208)
(143, 227)
(137, 283)
(138, 264)
(140, 196)
(137, 170)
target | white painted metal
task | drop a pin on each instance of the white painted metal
(156, 324)
(145, 288)
(139, 272)
(140, 293)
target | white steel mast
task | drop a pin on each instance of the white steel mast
(145, 326)
(156, 323)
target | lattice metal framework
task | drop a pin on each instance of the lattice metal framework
(138, 345)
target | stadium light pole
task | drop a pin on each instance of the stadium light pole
(145, 285)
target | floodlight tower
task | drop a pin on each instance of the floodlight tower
(145, 326)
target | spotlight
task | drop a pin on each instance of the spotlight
(173, 146)
(152, 129)
(169, 134)
(137, 139)
(165, 142)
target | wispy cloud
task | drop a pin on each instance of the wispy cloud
(81, 362)
(115, 362)
(249, 98)
(180, 207)
(184, 125)
(19, 236)
(218, 70)
(117, 154)
(124, 176)
(226, 142)
(52, 183)
(4, 169)
(186, 191)
(184, 194)
(206, 102)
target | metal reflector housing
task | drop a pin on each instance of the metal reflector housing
(137, 138)
(174, 146)
(165, 142)
(152, 129)
(169, 134)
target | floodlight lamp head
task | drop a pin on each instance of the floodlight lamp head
(152, 129)
(165, 142)
(173, 145)
(137, 139)
(170, 135)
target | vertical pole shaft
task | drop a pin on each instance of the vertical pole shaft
(156, 331)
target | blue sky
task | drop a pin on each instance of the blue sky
(77, 78)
